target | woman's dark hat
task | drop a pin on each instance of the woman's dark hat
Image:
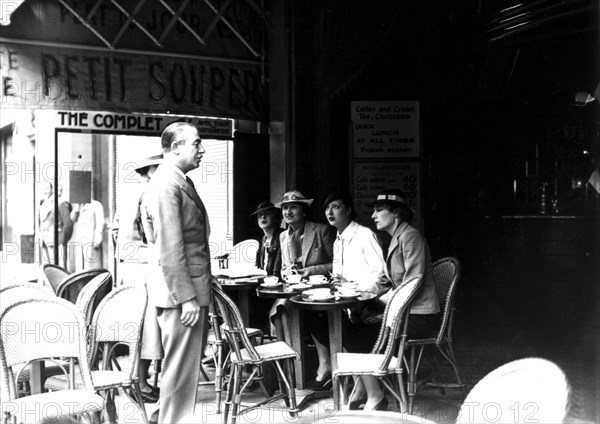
(394, 197)
(264, 206)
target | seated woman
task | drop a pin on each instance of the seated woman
(268, 255)
(357, 258)
(408, 256)
(306, 248)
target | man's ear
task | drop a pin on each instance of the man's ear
(175, 147)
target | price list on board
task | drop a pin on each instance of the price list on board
(386, 154)
(370, 178)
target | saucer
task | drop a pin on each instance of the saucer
(348, 295)
(270, 286)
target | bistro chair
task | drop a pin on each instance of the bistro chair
(54, 329)
(521, 391)
(221, 353)
(92, 294)
(51, 275)
(382, 362)
(117, 322)
(244, 354)
(244, 253)
(15, 293)
(70, 287)
(446, 272)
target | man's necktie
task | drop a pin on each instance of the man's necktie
(190, 182)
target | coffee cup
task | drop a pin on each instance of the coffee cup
(347, 291)
(317, 279)
(294, 278)
(271, 280)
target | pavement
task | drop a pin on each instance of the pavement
(477, 356)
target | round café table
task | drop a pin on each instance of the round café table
(334, 314)
(282, 326)
(242, 286)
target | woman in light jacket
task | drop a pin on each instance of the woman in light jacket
(408, 257)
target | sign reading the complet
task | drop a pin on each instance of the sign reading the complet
(371, 178)
(213, 128)
(385, 129)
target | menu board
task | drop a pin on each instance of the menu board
(385, 129)
(370, 178)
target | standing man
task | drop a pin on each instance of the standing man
(46, 225)
(179, 275)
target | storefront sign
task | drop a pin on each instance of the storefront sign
(36, 77)
(369, 179)
(385, 129)
(123, 123)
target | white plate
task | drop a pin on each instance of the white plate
(322, 292)
(299, 287)
(321, 298)
(349, 296)
(317, 283)
(270, 286)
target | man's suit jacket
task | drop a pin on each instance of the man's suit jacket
(317, 248)
(176, 226)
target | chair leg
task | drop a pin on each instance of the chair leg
(237, 398)
(219, 377)
(432, 358)
(403, 404)
(110, 408)
(412, 378)
(289, 363)
(280, 382)
(452, 360)
(230, 394)
(137, 398)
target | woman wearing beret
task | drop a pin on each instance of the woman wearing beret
(408, 257)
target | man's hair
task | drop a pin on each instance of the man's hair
(172, 133)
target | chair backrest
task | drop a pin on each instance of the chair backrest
(70, 287)
(118, 321)
(52, 275)
(518, 392)
(42, 329)
(393, 318)
(234, 327)
(92, 294)
(446, 272)
(14, 293)
(244, 253)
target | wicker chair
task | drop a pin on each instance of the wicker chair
(70, 287)
(521, 391)
(221, 354)
(51, 275)
(244, 253)
(446, 272)
(279, 354)
(381, 362)
(54, 330)
(117, 321)
(92, 294)
(17, 293)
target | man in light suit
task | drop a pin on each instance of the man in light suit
(179, 275)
